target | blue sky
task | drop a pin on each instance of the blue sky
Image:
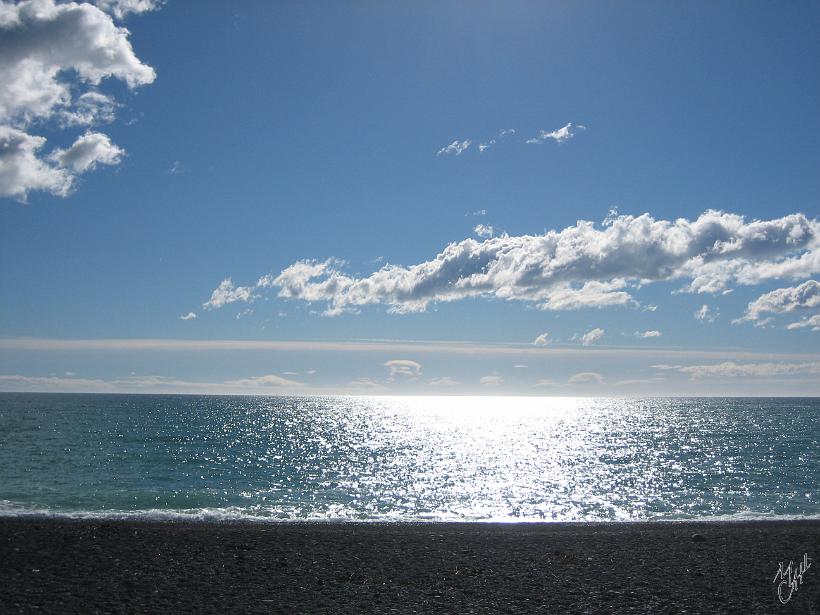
(231, 141)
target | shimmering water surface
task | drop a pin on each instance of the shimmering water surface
(442, 458)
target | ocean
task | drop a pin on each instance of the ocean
(408, 458)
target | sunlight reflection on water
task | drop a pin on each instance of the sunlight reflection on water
(453, 458)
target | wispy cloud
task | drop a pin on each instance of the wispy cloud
(812, 321)
(482, 147)
(188, 316)
(586, 378)
(378, 346)
(706, 314)
(444, 381)
(580, 266)
(590, 337)
(137, 384)
(492, 380)
(455, 148)
(731, 369)
(647, 334)
(559, 135)
(542, 340)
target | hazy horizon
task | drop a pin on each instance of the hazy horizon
(398, 199)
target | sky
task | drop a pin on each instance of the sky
(491, 198)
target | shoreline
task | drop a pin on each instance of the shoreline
(143, 565)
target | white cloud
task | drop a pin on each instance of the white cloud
(500, 135)
(92, 107)
(444, 381)
(546, 382)
(811, 321)
(580, 266)
(586, 377)
(730, 369)
(53, 56)
(137, 384)
(491, 381)
(483, 230)
(188, 316)
(121, 8)
(806, 296)
(455, 148)
(226, 293)
(366, 384)
(542, 340)
(706, 314)
(268, 381)
(403, 369)
(590, 337)
(647, 334)
(21, 170)
(559, 135)
(87, 152)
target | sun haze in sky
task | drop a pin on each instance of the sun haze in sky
(452, 198)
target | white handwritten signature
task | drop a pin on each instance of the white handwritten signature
(790, 578)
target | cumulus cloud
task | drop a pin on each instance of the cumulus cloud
(53, 57)
(483, 230)
(455, 148)
(22, 170)
(542, 340)
(403, 369)
(706, 314)
(87, 152)
(90, 108)
(586, 377)
(121, 8)
(227, 293)
(188, 316)
(559, 135)
(590, 337)
(805, 296)
(580, 266)
(647, 334)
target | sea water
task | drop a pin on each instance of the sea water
(408, 458)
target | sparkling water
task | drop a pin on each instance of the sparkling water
(408, 458)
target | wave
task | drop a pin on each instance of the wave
(271, 515)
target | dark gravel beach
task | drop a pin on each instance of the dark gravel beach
(139, 567)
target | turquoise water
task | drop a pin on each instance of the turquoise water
(441, 458)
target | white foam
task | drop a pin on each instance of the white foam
(272, 515)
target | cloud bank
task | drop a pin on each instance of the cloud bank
(580, 266)
(53, 57)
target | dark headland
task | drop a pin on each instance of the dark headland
(72, 566)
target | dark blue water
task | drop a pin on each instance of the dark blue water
(443, 458)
